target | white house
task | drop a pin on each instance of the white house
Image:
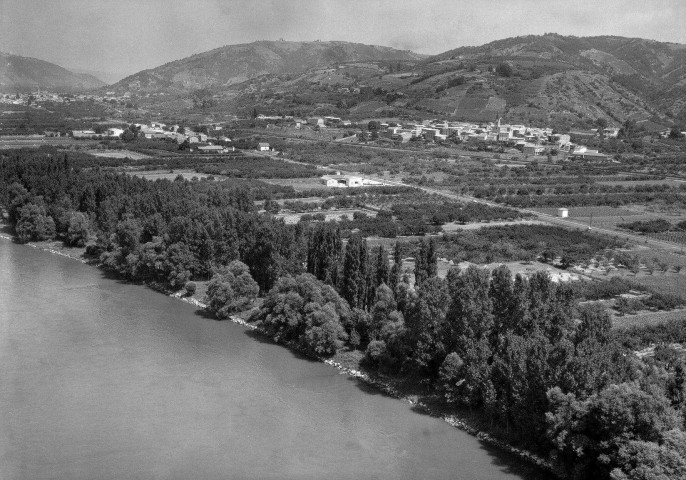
(263, 147)
(342, 181)
(531, 149)
(84, 134)
(212, 149)
(586, 153)
(115, 132)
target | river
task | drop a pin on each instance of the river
(101, 379)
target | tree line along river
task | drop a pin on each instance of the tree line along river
(108, 380)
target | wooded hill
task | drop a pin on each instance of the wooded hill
(28, 74)
(233, 64)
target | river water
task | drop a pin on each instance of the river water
(104, 380)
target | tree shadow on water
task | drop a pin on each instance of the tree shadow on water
(512, 465)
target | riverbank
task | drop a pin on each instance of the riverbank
(347, 368)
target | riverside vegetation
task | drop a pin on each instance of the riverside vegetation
(547, 373)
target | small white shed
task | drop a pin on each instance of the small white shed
(563, 212)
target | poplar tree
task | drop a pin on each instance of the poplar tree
(425, 321)
(394, 276)
(420, 266)
(431, 261)
(503, 302)
(382, 268)
(426, 263)
(470, 315)
(355, 265)
(324, 253)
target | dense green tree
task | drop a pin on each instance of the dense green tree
(18, 196)
(504, 70)
(324, 253)
(589, 434)
(231, 289)
(382, 267)
(355, 265)
(595, 323)
(271, 206)
(384, 308)
(33, 223)
(426, 262)
(77, 231)
(469, 316)
(396, 269)
(305, 312)
(640, 460)
(425, 321)
(503, 303)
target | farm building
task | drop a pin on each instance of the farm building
(115, 132)
(263, 147)
(212, 149)
(84, 134)
(342, 181)
(587, 154)
(562, 212)
(531, 149)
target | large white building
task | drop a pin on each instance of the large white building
(342, 181)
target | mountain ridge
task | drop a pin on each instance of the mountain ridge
(553, 79)
(232, 64)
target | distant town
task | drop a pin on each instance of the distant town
(518, 139)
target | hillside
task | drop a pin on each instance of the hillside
(561, 81)
(233, 64)
(26, 74)
(609, 77)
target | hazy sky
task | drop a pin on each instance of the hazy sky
(125, 36)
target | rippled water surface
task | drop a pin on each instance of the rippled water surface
(104, 380)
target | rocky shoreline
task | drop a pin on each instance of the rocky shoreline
(382, 386)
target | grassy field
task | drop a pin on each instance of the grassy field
(585, 212)
(671, 258)
(647, 318)
(453, 226)
(671, 283)
(298, 184)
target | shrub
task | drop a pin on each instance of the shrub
(659, 225)
(663, 301)
(305, 313)
(191, 288)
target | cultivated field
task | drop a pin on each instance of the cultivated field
(646, 318)
(629, 183)
(171, 174)
(586, 212)
(671, 283)
(454, 226)
(118, 154)
(292, 218)
(299, 184)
